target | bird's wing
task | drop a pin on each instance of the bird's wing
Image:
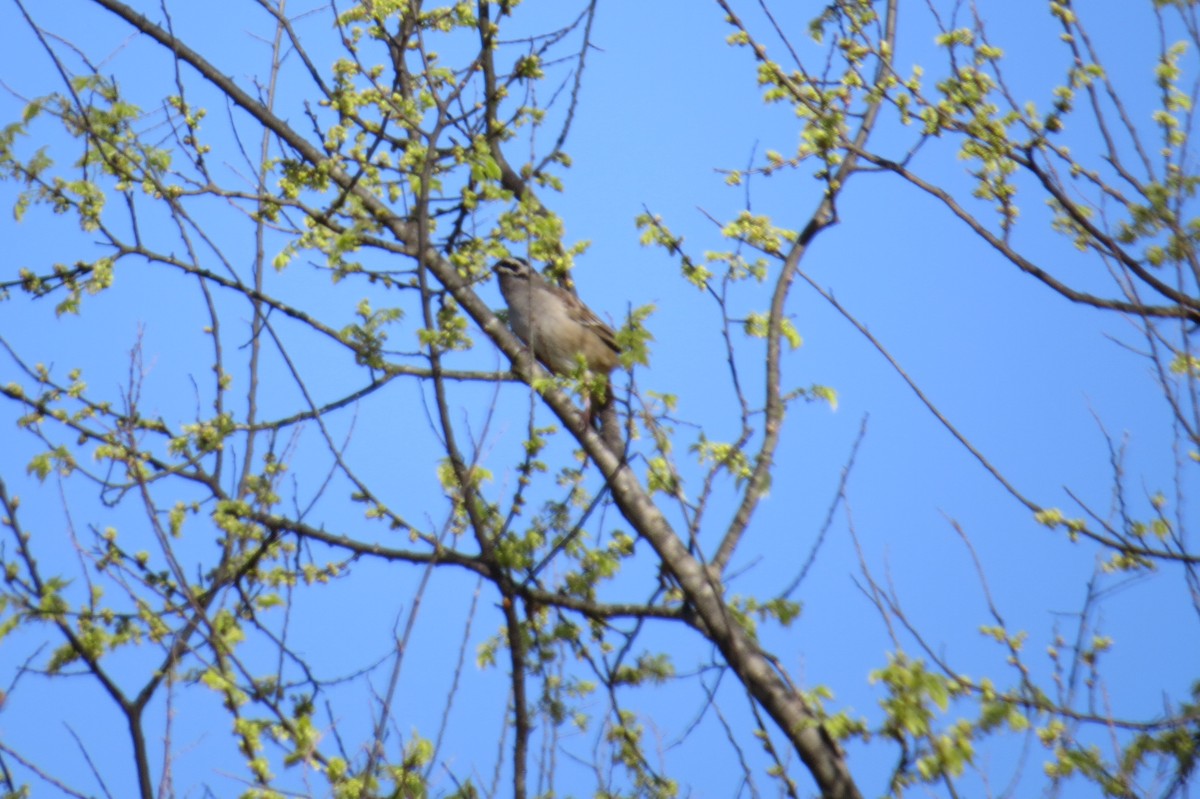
(586, 317)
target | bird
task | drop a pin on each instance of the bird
(560, 329)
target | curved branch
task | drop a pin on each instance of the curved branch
(1022, 263)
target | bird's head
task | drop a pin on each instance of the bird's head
(514, 268)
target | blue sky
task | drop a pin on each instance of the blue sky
(1025, 375)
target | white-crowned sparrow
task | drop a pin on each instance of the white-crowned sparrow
(558, 328)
